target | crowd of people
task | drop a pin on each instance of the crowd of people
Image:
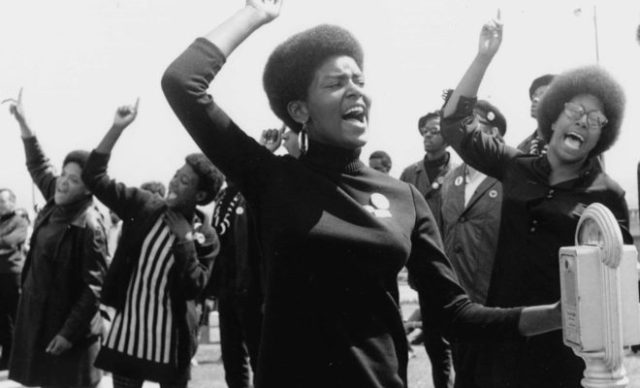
(307, 246)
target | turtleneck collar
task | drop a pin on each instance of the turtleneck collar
(331, 158)
(441, 161)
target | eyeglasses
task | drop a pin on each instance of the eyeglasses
(575, 112)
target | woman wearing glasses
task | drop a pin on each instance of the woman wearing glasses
(544, 196)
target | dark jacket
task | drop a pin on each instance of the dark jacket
(537, 219)
(67, 303)
(139, 210)
(470, 232)
(13, 234)
(416, 174)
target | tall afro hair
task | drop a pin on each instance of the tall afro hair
(291, 66)
(592, 80)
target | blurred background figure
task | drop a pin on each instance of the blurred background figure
(535, 144)
(381, 161)
(14, 228)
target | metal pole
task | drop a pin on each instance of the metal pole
(595, 33)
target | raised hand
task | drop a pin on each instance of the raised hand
(125, 115)
(268, 9)
(272, 138)
(490, 37)
(16, 108)
(178, 225)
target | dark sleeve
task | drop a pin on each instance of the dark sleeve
(17, 234)
(618, 206)
(185, 85)
(194, 260)
(41, 170)
(124, 201)
(446, 302)
(93, 269)
(482, 152)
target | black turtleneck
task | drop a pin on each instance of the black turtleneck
(434, 167)
(330, 158)
(334, 235)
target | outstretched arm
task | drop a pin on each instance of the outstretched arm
(40, 168)
(123, 200)
(124, 116)
(17, 110)
(490, 40)
(185, 84)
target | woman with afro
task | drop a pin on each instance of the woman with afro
(544, 195)
(334, 233)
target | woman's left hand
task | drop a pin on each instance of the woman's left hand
(58, 345)
(179, 225)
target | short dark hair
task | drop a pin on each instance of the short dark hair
(292, 64)
(422, 121)
(383, 156)
(77, 156)
(543, 80)
(12, 195)
(154, 187)
(592, 80)
(209, 177)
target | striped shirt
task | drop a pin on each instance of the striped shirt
(143, 329)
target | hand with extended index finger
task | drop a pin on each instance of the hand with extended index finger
(16, 108)
(125, 115)
(490, 37)
(268, 9)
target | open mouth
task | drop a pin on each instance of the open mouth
(171, 195)
(355, 114)
(573, 140)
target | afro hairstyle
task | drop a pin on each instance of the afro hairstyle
(292, 65)
(592, 80)
(209, 177)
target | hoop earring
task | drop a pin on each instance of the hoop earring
(303, 140)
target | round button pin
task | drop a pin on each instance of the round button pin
(379, 201)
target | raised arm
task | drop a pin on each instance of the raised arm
(123, 200)
(185, 84)
(123, 117)
(40, 168)
(233, 31)
(488, 45)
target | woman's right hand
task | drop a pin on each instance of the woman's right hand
(490, 38)
(268, 9)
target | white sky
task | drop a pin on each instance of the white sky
(78, 60)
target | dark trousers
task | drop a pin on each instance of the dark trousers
(9, 294)
(240, 322)
(439, 352)
(120, 381)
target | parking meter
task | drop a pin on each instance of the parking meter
(599, 286)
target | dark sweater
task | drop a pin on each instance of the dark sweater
(332, 249)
